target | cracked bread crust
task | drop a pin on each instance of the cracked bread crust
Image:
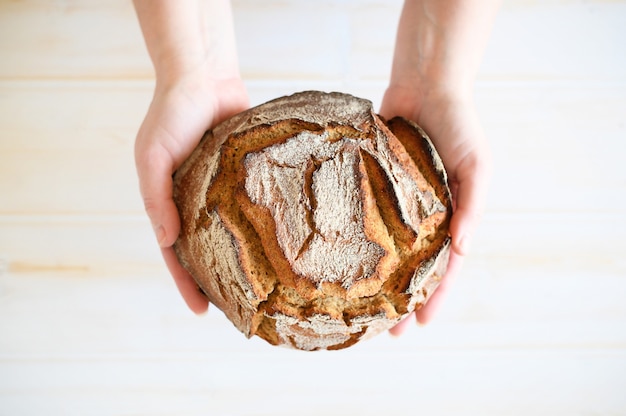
(312, 222)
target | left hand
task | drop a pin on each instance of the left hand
(451, 122)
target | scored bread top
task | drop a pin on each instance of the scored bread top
(313, 223)
(310, 107)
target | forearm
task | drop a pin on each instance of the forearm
(440, 43)
(186, 36)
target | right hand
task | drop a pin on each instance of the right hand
(179, 115)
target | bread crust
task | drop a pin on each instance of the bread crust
(312, 222)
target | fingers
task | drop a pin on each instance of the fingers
(154, 169)
(401, 326)
(178, 117)
(470, 190)
(428, 311)
(195, 299)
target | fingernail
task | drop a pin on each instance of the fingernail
(464, 244)
(159, 231)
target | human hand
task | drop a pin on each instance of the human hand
(192, 47)
(179, 115)
(450, 119)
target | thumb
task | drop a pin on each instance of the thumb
(154, 169)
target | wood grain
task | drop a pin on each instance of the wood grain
(91, 322)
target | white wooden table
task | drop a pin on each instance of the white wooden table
(91, 323)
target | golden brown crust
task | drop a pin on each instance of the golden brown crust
(313, 223)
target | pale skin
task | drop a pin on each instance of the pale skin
(438, 50)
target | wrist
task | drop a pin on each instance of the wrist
(439, 45)
(191, 39)
(411, 94)
(178, 72)
(435, 81)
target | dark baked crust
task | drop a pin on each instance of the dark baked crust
(313, 223)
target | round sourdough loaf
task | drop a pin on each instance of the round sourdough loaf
(312, 222)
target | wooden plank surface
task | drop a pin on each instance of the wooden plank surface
(72, 39)
(91, 323)
(128, 338)
(68, 146)
(73, 157)
(542, 382)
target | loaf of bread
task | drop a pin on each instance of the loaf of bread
(312, 222)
